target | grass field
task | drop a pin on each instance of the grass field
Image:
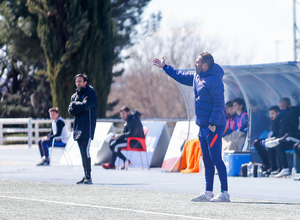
(39, 200)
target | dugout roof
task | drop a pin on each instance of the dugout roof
(265, 83)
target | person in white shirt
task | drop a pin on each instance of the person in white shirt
(59, 129)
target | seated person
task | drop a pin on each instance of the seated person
(132, 128)
(236, 139)
(296, 142)
(58, 129)
(260, 122)
(288, 127)
(230, 116)
(293, 112)
(268, 155)
(296, 148)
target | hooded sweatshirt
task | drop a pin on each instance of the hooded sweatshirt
(133, 128)
(208, 92)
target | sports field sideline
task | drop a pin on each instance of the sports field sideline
(30, 192)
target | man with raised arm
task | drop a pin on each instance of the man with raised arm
(210, 117)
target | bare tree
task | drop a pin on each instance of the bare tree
(145, 87)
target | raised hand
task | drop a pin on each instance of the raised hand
(158, 62)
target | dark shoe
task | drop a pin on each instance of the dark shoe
(108, 166)
(129, 163)
(44, 162)
(81, 181)
(88, 181)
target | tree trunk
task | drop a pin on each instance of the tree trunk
(77, 37)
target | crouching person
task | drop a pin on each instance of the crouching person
(132, 128)
(58, 129)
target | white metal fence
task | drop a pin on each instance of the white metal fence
(30, 130)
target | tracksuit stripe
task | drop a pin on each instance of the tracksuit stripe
(213, 141)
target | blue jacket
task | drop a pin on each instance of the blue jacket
(208, 92)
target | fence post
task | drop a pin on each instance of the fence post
(36, 131)
(29, 126)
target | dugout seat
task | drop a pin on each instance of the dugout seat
(142, 141)
(62, 146)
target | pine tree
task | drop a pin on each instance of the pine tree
(76, 36)
(20, 57)
(84, 36)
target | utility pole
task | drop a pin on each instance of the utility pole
(276, 44)
(296, 32)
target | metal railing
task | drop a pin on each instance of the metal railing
(13, 130)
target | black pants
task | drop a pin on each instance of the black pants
(116, 146)
(267, 155)
(84, 146)
(280, 151)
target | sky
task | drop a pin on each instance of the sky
(259, 30)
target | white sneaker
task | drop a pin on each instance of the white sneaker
(275, 172)
(203, 197)
(283, 172)
(222, 197)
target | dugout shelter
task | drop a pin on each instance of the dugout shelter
(264, 83)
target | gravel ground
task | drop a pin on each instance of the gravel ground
(31, 192)
(40, 200)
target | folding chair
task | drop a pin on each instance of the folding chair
(142, 141)
(62, 146)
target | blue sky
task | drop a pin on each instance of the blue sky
(261, 30)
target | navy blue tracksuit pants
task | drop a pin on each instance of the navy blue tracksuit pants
(45, 144)
(211, 146)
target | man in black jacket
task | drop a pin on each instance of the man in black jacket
(268, 155)
(84, 107)
(289, 128)
(132, 128)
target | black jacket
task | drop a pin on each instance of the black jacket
(284, 124)
(293, 114)
(85, 113)
(133, 128)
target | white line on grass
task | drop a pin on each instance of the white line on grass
(104, 207)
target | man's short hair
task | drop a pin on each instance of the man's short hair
(228, 104)
(286, 100)
(274, 108)
(240, 101)
(125, 108)
(208, 59)
(83, 75)
(53, 109)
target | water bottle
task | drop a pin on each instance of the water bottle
(250, 169)
(126, 164)
(201, 166)
(259, 171)
(294, 171)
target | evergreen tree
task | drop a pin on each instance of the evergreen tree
(84, 36)
(75, 36)
(20, 57)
